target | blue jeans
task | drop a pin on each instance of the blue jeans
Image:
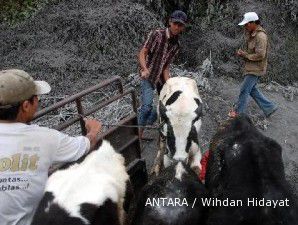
(147, 113)
(249, 87)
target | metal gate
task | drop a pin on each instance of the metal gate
(124, 139)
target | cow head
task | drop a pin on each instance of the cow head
(181, 123)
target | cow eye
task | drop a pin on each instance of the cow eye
(162, 136)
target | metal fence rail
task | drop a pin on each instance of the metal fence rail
(80, 110)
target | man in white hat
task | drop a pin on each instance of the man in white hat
(28, 151)
(255, 57)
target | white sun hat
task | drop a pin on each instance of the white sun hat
(249, 17)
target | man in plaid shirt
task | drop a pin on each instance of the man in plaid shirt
(155, 57)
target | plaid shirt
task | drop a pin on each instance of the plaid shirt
(162, 51)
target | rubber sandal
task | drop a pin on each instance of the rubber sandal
(233, 114)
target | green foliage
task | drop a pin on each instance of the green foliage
(14, 11)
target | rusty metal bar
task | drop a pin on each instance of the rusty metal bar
(134, 100)
(129, 142)
(122, 122)
(81, 112)
(68, 123)
(120, 86)
(94, 109)
(72, 98)
(112, 99)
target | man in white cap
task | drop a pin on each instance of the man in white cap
(28, 151)
(255, 57)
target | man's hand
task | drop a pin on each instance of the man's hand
(93, 128)
(241, 53)
(166, 73)
(145, 73)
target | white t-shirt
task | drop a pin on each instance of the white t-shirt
(26, 153)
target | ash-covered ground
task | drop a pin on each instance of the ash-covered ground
(74, 44)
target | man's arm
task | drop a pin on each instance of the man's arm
(260, 50)
(93, 128)
(149, 43)
(69, 148)
(142, 60)
(166, 73)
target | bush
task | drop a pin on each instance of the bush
(14, 11)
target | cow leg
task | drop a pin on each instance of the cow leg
(159, 162)
(121, 213)
(195, 157)
(167, 161)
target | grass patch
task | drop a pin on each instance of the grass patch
(15, 11)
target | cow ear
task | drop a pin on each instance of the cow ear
(199, 109)
(268, 157)
(162, 111)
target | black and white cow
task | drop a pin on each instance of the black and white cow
(172, 198)
(245, 170)
(180, 112)
(89, 193)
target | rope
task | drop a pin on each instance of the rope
(129, 126)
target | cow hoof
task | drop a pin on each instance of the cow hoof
(155, 171)
(197, 170)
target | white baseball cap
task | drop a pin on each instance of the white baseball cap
(249, 17)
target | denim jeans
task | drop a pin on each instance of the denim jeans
(249, 87)
(147, 113)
